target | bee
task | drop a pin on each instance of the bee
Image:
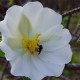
(40, 49)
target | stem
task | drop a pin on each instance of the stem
(76, 34)
(68, 21)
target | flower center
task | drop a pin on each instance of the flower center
(32, 45)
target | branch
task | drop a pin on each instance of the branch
(71, 11)
(2, 60)
(68, 21)
(3, 72)
(64, 78)
(20, 2)
(47, 78)
(76, 34)
(72, 67)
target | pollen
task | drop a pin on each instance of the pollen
(31, 45)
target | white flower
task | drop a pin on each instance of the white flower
(34, 41)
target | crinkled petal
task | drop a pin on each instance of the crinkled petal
(59, 39)
(59, 56)
(36, 74)
(4, 30)
(47, 35)
(14, 43)
(13, 16)
(32, 11)
(27, 65)
(22, 66)
(9, 53)
(47, 19)
(40, 66)
(47, 68)
(41, 22)
(25, 26)
(55, 69)
(64, 33)
(17, 66)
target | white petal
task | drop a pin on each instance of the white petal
(40, 66)
(25, 26)
(17, 66)
(14, 43)
(47, 35)
(22, 66)
(47, 19)
(36, 73)
(64, 33)
(32, 11)
(59, 39)
(4, 30)
(27, 65)
(55, 69)
(59, 56)
(9, 53)
(13, 16)
(47, 68)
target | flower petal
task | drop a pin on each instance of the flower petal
(13, 16)
(40, 66)
(17, 66)
(47, 68)
(47, 36)
(22, 66)
(55, 69)
(25, 26)
(14, 43)
(9, 53)
(32, 11)
(27, 65)
(47, 19)
(4, 30)
(59, 56)
(36, 74)
(59, 39)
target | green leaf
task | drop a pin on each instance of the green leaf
(26, 78)
(2, 54)
(10, 2)
(64, 21)
(0, 1)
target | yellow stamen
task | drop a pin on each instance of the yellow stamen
(31, 45)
